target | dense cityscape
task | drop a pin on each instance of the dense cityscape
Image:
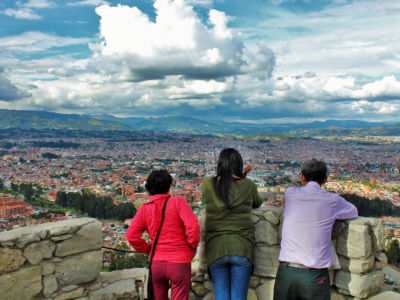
(118, 169)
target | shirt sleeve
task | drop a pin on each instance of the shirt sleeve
(345, 210)
(135, 232)
(189, 219)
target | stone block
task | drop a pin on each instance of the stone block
(355, 241)
(60, 231)
(355, 265)
(69, 288)
(121, 290)
(7, 244)
(335, 295)
(23, 284)
(47, 268)
(266, 290)
(199, 289)
(49, 285)
(358, 285)
(254, 281)
(382, 257)
(89, 237)
(378, 234)
(63, 237)
(27, 239)
(254, 218)
(10, 260)
(71, 295)
(266, 262)
(79, 268)
(265, 232)
(209, 286)
(271, 217)
(251, 294)
(209, 296)
(35, 252)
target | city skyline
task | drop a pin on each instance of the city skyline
(271, 61)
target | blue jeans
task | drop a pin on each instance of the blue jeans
(230, 276)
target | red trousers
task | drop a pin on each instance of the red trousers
(179, 274)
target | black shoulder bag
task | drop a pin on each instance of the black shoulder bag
(150, 294)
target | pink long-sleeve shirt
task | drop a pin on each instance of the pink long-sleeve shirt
(180, 233)
(308, 218)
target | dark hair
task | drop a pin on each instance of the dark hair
(158, 182)
(314, 170)
(229, 163)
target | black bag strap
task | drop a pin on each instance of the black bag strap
(153, 248)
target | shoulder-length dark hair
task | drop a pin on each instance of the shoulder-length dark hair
(230, 163)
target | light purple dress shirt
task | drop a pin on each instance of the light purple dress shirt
(308, 218)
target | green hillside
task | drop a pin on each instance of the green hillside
(48, 120)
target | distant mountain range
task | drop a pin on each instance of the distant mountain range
(179, 124)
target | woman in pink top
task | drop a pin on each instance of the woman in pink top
(178, 240)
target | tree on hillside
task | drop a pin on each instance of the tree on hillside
(393, 252)
(1, 184)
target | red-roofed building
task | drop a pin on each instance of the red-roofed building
(11, 207)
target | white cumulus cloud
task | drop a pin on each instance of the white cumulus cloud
(177, 43)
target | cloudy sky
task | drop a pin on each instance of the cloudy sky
(254, 61)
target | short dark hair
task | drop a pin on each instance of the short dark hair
(158, 182)
(314, 170)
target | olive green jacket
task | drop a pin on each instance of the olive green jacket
(230, 231)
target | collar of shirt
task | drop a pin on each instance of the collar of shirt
(312, 185)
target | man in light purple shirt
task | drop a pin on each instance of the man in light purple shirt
(308, 218)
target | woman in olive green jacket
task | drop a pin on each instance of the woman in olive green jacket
(229, 198)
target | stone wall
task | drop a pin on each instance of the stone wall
(59, 261)
(359, 244)
(63, 260)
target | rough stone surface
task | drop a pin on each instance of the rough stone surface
(62, 237)
(209, 286)
(10, 260)
(271, 217)
(251, 294)
(355, 241)
(79, 268)
(38, 229)
(388, 295)
(49, 285)
(35, 252)
(111, 277)
(378, 234)
(23, 284)
(71, 295)
(265, 232)
(7, 244)
(121, 290)
(209, 296)
(47, 268)
(266, 290)
(355, 265)
(69, 288)
(336, 296)
(89, 237)
(61, 231)
(27, 239)
(382, 257)
(199, 289)
(266, 263)
(358, 285)
(254, 281)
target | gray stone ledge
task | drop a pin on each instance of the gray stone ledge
(38, 229)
